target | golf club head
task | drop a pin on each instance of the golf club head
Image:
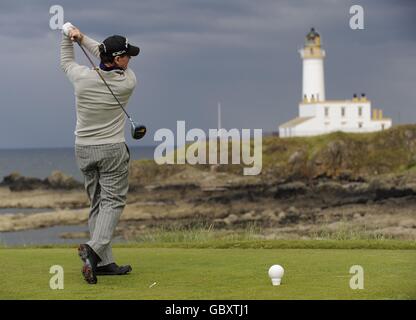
(138, 131)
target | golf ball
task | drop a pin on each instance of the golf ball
(276, 273)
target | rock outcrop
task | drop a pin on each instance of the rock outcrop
(56, 181)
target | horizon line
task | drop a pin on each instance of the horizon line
(60, 147)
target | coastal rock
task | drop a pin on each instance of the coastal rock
(292, 215)
(231, 219)
(389, 188)
(331, 161)
(59, 180)
(269, 215)
(19, 222)
(290, 189)
(297, 164)
(17, 182)
(249, 216)
(408, 223)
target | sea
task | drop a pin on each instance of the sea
(40, 163)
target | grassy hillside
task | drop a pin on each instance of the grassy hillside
(336, 155)
(349, 154)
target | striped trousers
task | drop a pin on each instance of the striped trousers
(105, 169)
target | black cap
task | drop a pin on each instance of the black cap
(117, 46)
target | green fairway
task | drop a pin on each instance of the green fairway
(197, 273)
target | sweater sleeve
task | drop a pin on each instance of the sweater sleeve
(68, 64)
(91, 45)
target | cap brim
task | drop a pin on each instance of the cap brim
(133, 51)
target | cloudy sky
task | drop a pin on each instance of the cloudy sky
(195, 53)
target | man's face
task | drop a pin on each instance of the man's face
(122, 61)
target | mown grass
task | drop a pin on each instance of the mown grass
(204, 263)
(177, 273)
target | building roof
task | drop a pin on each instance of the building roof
(346, 102)
(383, 119)
(294, 122)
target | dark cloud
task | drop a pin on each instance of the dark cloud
(196, 53)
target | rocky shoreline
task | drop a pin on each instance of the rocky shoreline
(336, 185)
(378, 207)
(57, 180)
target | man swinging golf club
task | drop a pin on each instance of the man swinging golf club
(101, 153)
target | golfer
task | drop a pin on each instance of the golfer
(101, 152)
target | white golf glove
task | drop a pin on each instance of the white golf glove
(66, 28)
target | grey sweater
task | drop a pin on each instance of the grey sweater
(99, 118)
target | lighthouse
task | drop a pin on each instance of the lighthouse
(317, 115)
(313, 81)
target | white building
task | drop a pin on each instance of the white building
(320, 116)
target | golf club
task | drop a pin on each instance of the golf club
(138, 131)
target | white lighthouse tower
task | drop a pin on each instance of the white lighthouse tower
(313, 86)
(317, 115)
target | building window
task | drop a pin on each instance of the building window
(360, 111)
(343, 123)
(343, 112)
(360, 125)
(326, 112)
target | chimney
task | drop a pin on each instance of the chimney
(354, 97)
(374, 114)
(363, 97)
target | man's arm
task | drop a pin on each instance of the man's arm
(68, 64)
(75, 35)
(91, 45)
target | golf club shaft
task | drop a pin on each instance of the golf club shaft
(102, 78)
